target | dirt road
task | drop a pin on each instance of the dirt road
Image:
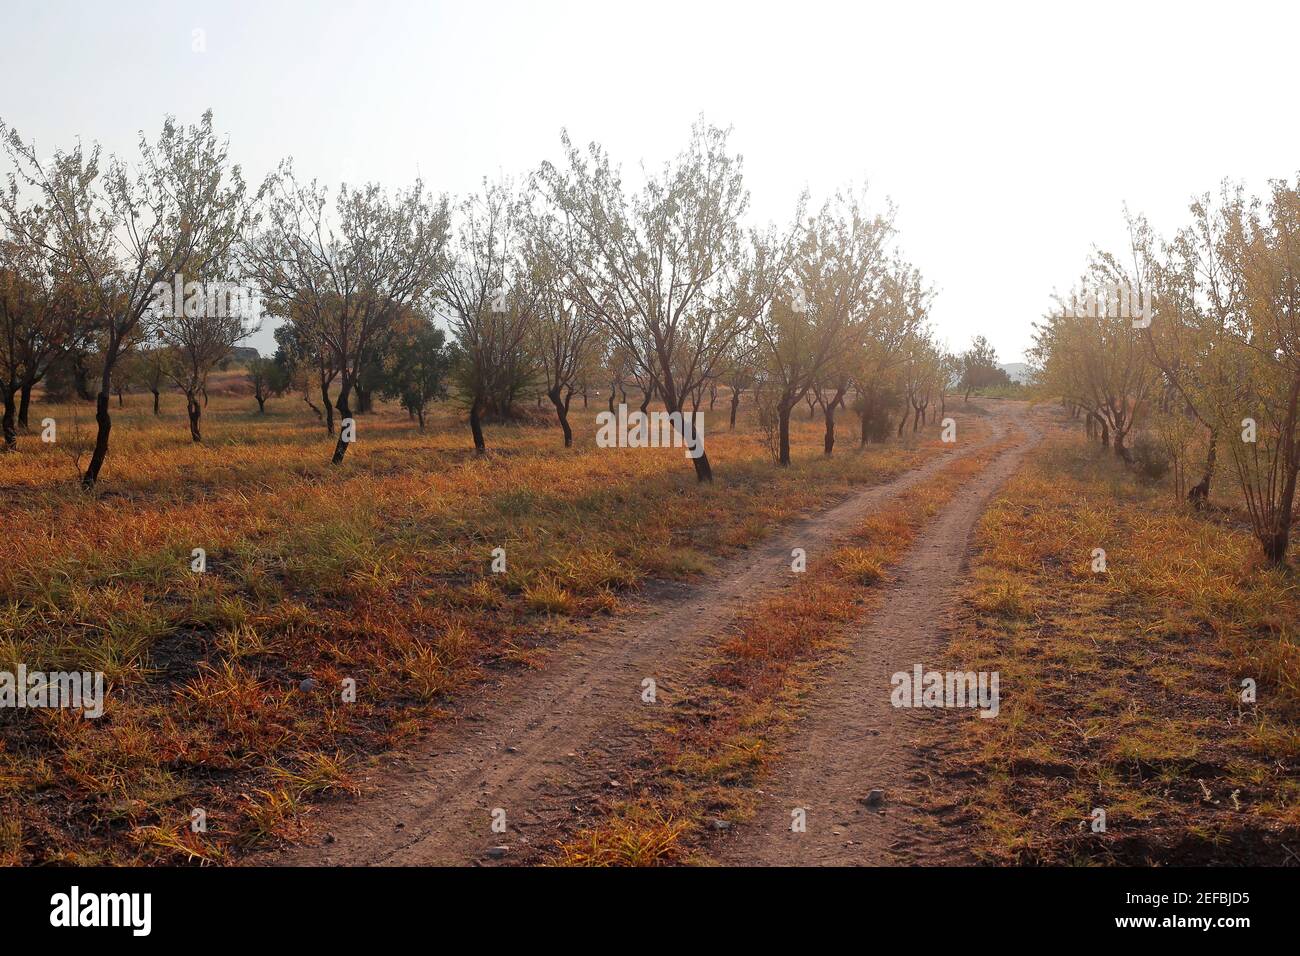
(853, 740)
(529, 739)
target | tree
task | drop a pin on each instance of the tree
(268, 379)
(345, 281)
(658, 269)
(739, 372)
(980, 368)
(38, 308)
(179, 213)
(564, 335)
(198, 333)
(492, 301)
(1094, 357)
(1269, 464)
(417, 370)
(831, 290)
(306, 366)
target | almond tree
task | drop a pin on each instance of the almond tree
(1094, 357)
(39, 309)
(877, 377)
(1200, 289)
(1268, 465)
(415, 370)
(118, 233)
(565, 337)
(345, 279)
(491, 301)
(660, 269)
(831, 294)
(197, 335)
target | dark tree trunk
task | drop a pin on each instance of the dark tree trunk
(155, 401)
(25, 403)
(261, 404)
(329, 407)
(735, 406)
(1199, 493)
(104, 425)
(80, 374)
(562, 412)
(419, 414)
(476, 425)
(195, 411)
(703, 471)
(10, 431)
(783, 431)
(345, 412)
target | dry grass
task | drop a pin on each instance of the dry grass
(1122, 690)
(226, 687)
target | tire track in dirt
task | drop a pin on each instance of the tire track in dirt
(522, 740)
(852, 740)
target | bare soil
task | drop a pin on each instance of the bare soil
(853, 741)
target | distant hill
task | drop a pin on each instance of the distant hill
(241, 355)
(1018, 371)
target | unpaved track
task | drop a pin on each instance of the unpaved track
(528, 738)
(853, 740)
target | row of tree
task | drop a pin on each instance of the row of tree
(564, 284)
(1212, 368)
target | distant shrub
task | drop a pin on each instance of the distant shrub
(1150, 457)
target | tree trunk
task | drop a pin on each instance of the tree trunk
(783, 414)
(25, 403)
(104, 425)
(419, 414)
(195, 411)
(476, 425)
(1279, 538)
(345, 412)
(261, 404)
(1199, 495)
(703, 472)
(735, 405)
(329, 408)
(10, 432)
(155, 401)
(562, 412)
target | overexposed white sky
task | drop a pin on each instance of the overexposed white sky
(1009, 135)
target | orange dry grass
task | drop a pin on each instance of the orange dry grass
(1122, 690)
(375, 572)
